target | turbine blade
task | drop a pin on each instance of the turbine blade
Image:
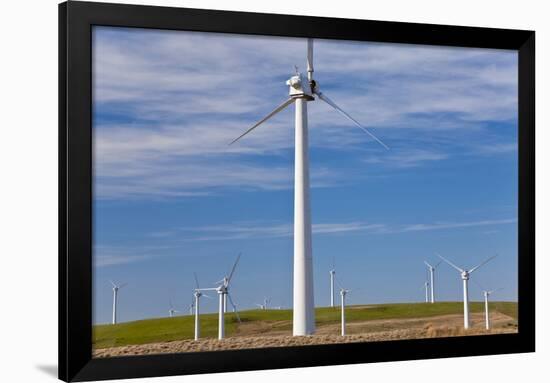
(233, 268)
(234, 307)
(437, 264)
(450, 263)
(478, 284)
(274, 112)
(341, 111)
(122, 285)
(196, 280)
(482, 263)
(495, 290)
(309, 59)
(113, 283)
(206, 296)
(427, 264)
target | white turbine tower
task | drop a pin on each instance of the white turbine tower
(343, 293)
(301, 91)
(426, 287)
(486, 298)
(486, 294)
(115, 299)
(196, 305)
(431, 269)
(172, 310)
(223, 294)
(332, 273)
(465, 275)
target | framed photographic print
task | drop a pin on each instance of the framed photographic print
(327, 191)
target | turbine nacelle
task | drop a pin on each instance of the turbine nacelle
(222, 289)
(465, 275)
(299, 88)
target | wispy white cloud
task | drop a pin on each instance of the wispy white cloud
(248, 230)
(173, 238)
(407, 158)
(455, 225)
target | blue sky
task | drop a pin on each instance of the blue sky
(171, 198)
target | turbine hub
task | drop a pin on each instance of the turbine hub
(465, 275)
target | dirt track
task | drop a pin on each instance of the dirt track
(368, 331)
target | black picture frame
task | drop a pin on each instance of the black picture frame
(75, 190)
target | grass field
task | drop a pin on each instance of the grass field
(182, 327)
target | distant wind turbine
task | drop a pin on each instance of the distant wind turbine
(172, 310)
(486, 298)
(332, 273)
(223, 294)
(197, 294)
(115, 299)
(343, 293)
(426, 288)
(263, 305)
(432, 277)
(486, 294)
(465, 275)
(301, 91)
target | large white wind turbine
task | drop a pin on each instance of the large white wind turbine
(301, 91)
(431, 269)
(223, 294)
(465, 275)
(115, 299)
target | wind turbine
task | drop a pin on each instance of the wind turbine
(343, 293)
(115, 299)
(486, 297)
(426, 287)
(223, 294)
(263, 305)
(196, 304)
(332, 273)
(432, 277)
(301, 91)
(486, 294)
(465, 275)
(172, 311)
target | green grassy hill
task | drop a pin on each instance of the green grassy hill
(182, 327)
